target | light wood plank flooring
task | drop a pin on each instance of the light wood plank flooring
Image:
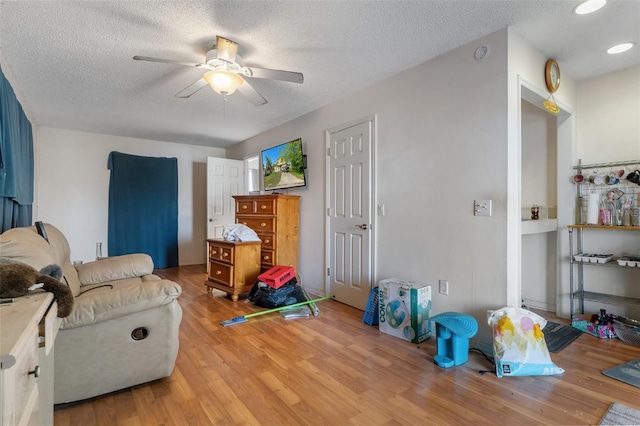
(335, 370)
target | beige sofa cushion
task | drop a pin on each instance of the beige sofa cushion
(115, 268)
(24, 245)
(58, 243)
(71, 277)
(27, 246)
(62, 253)
(116, 299)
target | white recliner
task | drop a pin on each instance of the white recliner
(123, 330)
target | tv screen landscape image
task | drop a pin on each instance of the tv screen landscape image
(283, 166)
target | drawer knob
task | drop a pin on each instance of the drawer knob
(244, 207)
(267, 241)
(218, 272)
(214, 252)
(225, 254)
(263, 224)
(266, 257)
(263, 207)
(244, 223)
(35, 372)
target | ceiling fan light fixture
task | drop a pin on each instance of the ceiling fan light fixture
(223, 82)
(589, 6)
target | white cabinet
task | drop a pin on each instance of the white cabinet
(28, 327)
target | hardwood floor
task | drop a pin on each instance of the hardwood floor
(335, 370)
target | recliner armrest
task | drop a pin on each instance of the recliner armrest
(115, 268)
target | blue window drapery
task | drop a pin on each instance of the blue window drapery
(143, 207)
(16, 160)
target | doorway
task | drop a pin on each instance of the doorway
(225, 178)
(553, 268)
(350, 222)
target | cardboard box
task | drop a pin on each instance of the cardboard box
(404, 308)
(277, 276)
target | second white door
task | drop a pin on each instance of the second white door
(350, 220)
(225, 178)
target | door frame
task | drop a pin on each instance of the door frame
(374, 196)
(566, 154)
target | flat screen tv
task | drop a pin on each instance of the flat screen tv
(283, 166)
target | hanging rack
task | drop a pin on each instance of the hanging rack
(581, 166)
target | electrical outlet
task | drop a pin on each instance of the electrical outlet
(444, 287)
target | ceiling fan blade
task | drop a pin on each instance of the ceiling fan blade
(252, 94)
(227, 49)
(166, 61)
(192, 89)
(292, 77)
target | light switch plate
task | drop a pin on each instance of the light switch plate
(482, 208)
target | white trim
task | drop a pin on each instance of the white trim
(535, 96)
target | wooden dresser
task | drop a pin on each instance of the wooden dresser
(28, 328)
(234, 266)
(275, 218)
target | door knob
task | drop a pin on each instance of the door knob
(213, 220)
(363, 226)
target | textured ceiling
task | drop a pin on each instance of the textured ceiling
(70, 62)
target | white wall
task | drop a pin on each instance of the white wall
(609, 117)
(441, 143)
(72, 187)
(539, 156)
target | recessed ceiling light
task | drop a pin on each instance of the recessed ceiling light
(589, 6)
(619, 48)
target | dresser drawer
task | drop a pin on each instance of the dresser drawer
(267, 257)
(268, 240)
(263, 224)
(260, 207)
(221, 273)
(24, 385)
(221, 252)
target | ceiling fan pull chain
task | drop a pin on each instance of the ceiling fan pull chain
(224, 107)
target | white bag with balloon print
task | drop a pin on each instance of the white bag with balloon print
(519, 347)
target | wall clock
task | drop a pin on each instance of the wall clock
(552, 75)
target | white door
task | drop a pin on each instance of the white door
(350, 222)
(225, 178)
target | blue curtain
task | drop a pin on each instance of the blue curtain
(143, 207)
(16, 161)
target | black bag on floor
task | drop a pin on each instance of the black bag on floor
(269, 297)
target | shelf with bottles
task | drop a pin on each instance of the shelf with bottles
(547, 220)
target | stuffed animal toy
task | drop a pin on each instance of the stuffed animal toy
(17, 278)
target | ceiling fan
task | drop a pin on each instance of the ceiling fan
(226, 73)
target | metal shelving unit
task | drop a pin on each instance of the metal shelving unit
(580, 294)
